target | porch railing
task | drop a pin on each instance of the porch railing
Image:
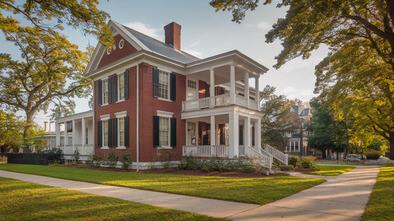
(282, 157)
(217, 101)
(86, 150)
(206, 151)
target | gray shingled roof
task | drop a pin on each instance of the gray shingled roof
(162, 48)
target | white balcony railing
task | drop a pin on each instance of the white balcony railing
(217, 101)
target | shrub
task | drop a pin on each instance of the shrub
(286, 167)
(372, 154)
(293, 160)
(126, 161)
(112, 159)
(247, 166)
(54, 156)
(167, 162)
(95, 160)
(76, 155)
(308, 162)
(190, 163)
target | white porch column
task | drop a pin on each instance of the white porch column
(247, 133)
(74, 134)
(212, 87)
(83, 139)
(213, 133)
(65, 134)
(57, 129)
(258, 93)
(232, 84)
(258, 133)
(233, 135)
(246, 80)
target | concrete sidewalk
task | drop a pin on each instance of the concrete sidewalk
(342, 197)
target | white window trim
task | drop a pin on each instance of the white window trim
(118, 135)
(169, 85)
(121, 114)
(102, 91)
(104, 118)
(167, 114)
(117, 81)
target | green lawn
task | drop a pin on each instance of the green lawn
(248, 190)
(332, 170)
(27, 201)
(381, 203)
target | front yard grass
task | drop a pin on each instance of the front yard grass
(332, 170)
(381, 205)
(28, 201)
(248, 190)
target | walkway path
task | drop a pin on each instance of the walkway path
(340, 198)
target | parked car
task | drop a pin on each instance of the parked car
(352, 158)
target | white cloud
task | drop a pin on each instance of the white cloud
(265, 26)
(145, 29)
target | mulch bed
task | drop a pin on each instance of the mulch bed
(176, 171)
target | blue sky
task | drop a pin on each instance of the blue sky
(206, 33)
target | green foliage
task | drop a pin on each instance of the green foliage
(277, 119)
(293, 160)
(289, 167)
(249, 190)
(190, 163)
(217, 164)
(237, 7)
(63, 206)
(380, 205)
(167, 163)
(375, 144)
(372, 154)
(327, 133)
(54, 156)
(95, 160)
(112, 159)
(76, 155)
(357, 76)
(126, 161)
(309, 163)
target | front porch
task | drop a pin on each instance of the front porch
(75, 132)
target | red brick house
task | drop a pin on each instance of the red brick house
(152, 100)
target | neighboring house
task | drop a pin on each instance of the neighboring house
(297, 139)
(49, 136)
(156, 102)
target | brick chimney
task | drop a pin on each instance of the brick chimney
(173, 35)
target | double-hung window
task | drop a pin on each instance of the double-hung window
(121, 86)
(164, 131)
(105, 132)
(121, 129)
(163, 84)
(105, 92)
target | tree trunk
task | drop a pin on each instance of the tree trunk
(26, 131)
(391, 140)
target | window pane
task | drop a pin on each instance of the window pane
(105, 91)
(163, 131)
(105, 133)
(121, 132)
(163, 84)
(121, 86)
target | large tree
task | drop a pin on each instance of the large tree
(277, 119)
(357, 76)
(50, 68)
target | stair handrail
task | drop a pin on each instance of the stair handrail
(261, 157)
(282, 157)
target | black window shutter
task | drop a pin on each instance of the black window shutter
(114, 88)
(156, 91)
(109, 88)
(109, 133)
(173, 87)
(126, 85)
(126, 132)
(156, 131)
(207, 91)
(99, 92)
(173, 132)
(100, 133)
(115, 132)
(241, 135)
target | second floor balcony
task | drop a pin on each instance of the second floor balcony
(218, 101)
